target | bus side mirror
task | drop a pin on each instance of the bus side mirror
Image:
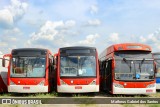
(6, 60)
(3, 62)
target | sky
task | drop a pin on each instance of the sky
(53, 24)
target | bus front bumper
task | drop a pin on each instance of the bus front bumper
(77, 88)
(27, 89)
(117, 90)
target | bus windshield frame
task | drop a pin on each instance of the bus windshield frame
(28, 67)
(78, 66)
(78, 63)
(134, 66)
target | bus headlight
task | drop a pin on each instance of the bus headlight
(118, 85)
(151, 86)
(93, 82)
(62, 82)
(41, 83)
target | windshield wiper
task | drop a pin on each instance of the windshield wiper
(124, 59)
(140, 64)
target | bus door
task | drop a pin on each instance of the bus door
(104, 79)
(108, 75)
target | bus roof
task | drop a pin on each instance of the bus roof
(125, 47)
(30, 49)
(77, 47)
(27, 49)
(128, 46)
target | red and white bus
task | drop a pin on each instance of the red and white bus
(30, 70)
(77, 70)
(127, 68)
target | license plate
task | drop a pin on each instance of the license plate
(148, 91)
(78, 87)
(26, 88)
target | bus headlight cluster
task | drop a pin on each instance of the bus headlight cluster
(118, 85)
(41, 83)
(62, 82)
(93, 82)
(151, 86)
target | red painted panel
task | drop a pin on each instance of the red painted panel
(135, 84)
(124, 46)
(26, 81)
(78, 81)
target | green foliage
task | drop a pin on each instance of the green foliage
(153, 105)
(5, 95)
(43, 95)
(141, 105)
(35, 95)
(128, 105)
(80, 95)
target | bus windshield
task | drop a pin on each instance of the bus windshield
(134, 66)
(78, 66)
(28, 67)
